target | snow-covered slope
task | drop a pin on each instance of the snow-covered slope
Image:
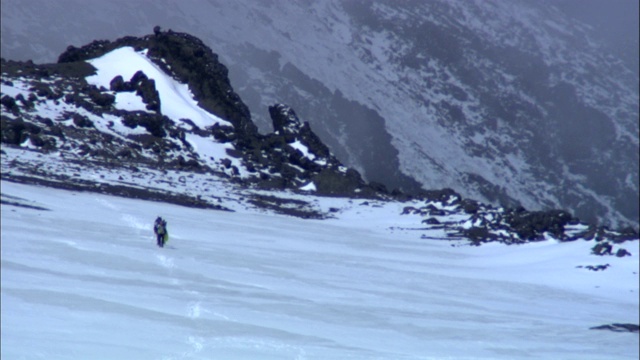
(503, 101)
(82, 278)
(178, 105)
(65, 114)
(259, 265)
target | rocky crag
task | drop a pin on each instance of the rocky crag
(52, 111)
(290, 157)
(505, 101)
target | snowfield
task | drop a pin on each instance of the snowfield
(83, 279)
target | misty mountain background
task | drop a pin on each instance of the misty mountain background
(531, 103)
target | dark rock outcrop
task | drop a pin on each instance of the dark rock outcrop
(292, 157)
(154, 123)
(9, 103)
(616, 327)
(142, 85)
(304, 149)
(483, 223)
(190, 61)
(602, 248)
(533, 224)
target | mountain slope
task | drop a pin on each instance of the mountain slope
(276, 248)
(511, 103)
(76, 266)
(178, 112)
(168, 115)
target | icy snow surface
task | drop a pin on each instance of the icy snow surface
(84, 280)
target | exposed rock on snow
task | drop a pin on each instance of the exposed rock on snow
(618, 327)
(66, 108)
(89, 116)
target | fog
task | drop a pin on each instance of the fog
(76, 22)
(615, 23)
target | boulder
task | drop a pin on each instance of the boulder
(622, 253)
(81, 121)
(602, 248)
(531, 225)
(9, 103)
(17, 131)
(117, 84)
(330, 182)
(101, 99)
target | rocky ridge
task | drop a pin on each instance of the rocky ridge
(60, 131)
(51, 110)
(505, 102)
(291, 157)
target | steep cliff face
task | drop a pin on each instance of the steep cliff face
(506, 102)
(510, 103)
(536, 112)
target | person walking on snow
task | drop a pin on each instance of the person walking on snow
(160, 229)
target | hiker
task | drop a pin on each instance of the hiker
(160, 229)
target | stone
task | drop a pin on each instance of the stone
(622, 253)
(602, 248)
